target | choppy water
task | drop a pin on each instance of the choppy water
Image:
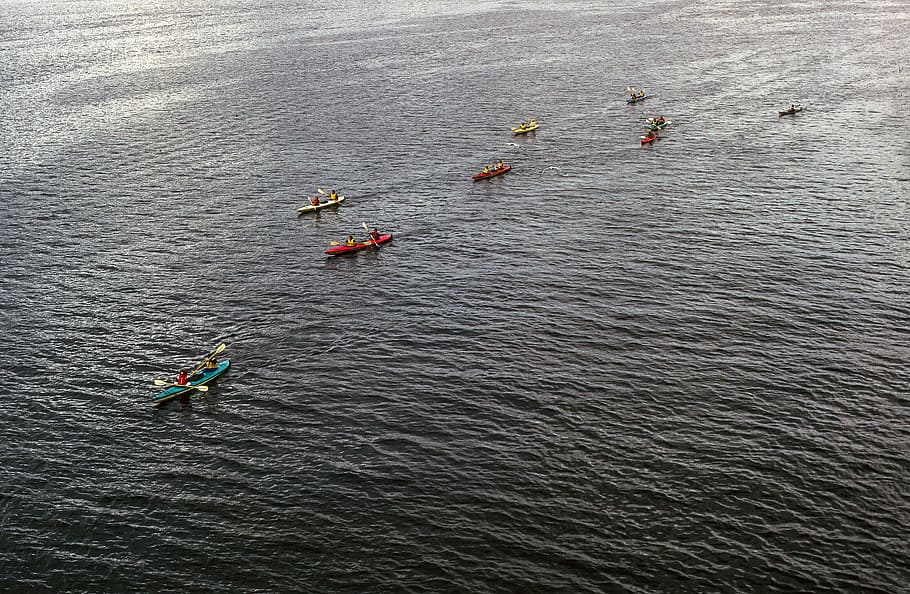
(673, 368)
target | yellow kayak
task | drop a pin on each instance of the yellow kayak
(526, 129)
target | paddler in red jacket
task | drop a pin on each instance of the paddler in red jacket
(181, 377)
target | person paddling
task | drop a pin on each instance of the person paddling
(350, 241)
(374, 234)
(315, 201)
(181, 377)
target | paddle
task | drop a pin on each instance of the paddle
(159, 382)
(321, 191)
(218, 350)
(370, 235)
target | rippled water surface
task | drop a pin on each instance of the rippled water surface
(679, 367)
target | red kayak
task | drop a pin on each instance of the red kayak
(492, 173)
(337, 250)
(647, 139)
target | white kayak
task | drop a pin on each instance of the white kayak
(322, 204)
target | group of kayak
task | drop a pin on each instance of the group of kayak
(373, 239)
(209, 369)
(654, 125)
(499, 167)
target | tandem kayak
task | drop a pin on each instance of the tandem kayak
(796, 109)
(314, 207)
(652, 125)
(337, 250)
(491, 173)
(526, 129)
(200, 378)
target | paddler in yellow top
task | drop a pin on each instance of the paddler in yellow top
(532, 122)
(350, 241)
(333, 196)
(500, 164)
(486, 169)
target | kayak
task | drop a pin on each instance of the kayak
(647, 139)
(653, 126)
(526, 129)
(337, 250)
(492, 173)
(790, 111)
(314, 207)
(200, 378)
(631, 100)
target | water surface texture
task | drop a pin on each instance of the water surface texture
(680, 367)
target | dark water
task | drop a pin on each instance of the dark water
(673, 368)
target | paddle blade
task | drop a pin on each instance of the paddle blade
(321, 191)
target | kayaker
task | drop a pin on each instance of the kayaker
(211, 363)
(374, 234)
(661, 120)
(181, 377)
(350, 241)
(650, 134)
(315, 201)
(500, 164)
(486, 169)
(333, 195)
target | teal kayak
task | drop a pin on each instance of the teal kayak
(200, 378)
